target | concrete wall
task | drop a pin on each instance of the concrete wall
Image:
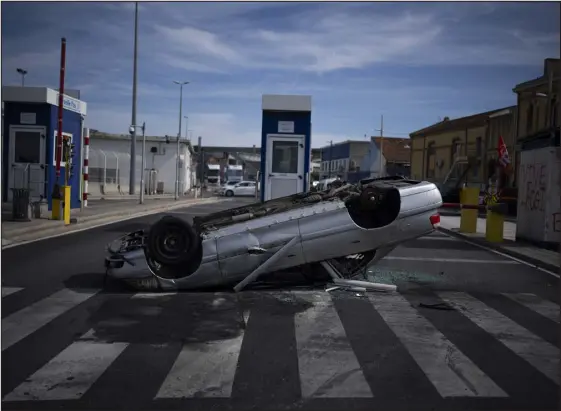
(539, 211)
(109, 166)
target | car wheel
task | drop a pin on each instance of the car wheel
(172, 241)
(229, 193)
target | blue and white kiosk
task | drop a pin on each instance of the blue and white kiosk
(30, 118)
(285, 145)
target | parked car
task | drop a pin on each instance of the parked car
(243, 188)
(225, 186)
(349, 227)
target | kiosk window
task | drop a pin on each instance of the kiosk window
(27, 147)
(285, 157)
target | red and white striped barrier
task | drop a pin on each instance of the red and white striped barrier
(85, 170)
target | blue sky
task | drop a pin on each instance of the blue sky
(412, 62)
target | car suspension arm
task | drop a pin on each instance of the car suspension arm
(263, 267)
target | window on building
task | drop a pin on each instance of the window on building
(478, 154)
(454, 152)
(530, 119)
(431, 161)
(553, 115)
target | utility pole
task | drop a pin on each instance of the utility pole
(382, 146)
(201, 165)
(186, 127)
(132, 174)
(181, 84)
(330, 156)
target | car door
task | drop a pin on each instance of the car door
(240, 189)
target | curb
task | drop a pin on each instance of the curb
(523, 257)
(21, 236)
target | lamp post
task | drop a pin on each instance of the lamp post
(181, 84)
(22, 72)
(132, 131)
(186, 127)
(132, 177)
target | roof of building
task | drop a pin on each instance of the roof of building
(96, 134)
(541, 80)
(474, 120)
(394, 149)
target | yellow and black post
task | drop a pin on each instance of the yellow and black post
(66, 188)
(494, 228)
(469, 201)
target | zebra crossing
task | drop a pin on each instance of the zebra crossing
(326, 346)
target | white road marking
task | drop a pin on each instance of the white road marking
(70, 374)
(544, 307)
(450, 260)
(448, 369)
(327, 363)
(29, 319)
(539, 353)
(154, 295)
(10, 290)
(203, 370)
(503, 255)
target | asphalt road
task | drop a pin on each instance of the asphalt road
(68, 344)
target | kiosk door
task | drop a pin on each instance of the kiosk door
(285, 166)
(27, 160)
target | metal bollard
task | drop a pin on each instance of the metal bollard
(469, 199)
(494, 227)
(20, 204)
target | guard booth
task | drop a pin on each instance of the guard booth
(29, 142)
(285, 145)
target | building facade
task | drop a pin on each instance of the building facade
(340, 159)
(461, 148)
(109, 164)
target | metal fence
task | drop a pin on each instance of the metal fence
(109, 172)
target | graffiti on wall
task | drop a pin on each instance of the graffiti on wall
(533, 186)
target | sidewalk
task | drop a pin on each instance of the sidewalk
(529, 253)
(98, 212)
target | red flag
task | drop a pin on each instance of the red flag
(504, 159)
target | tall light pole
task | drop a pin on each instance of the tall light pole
(22, 72)
(132, 179)
(132, 130)
(181, 84)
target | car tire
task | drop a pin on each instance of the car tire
(172, 241)
(229, 193)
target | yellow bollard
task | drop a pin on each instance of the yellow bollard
(494, 228)
(66, 204)
(469, 196)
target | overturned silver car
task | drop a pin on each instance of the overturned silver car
(344, 229)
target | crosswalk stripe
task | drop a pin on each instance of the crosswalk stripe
(543, 307)
(539, 353)
(319, 330)
(6, 291)
(447, 368)
(71, 373)
(203, 370)
(29, 319)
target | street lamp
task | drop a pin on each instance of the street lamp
(23, 73)
(132, 177)
(181, 84)
(132, 131)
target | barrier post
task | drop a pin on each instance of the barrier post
(494, 228)
(66, 190)
(469, 201)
